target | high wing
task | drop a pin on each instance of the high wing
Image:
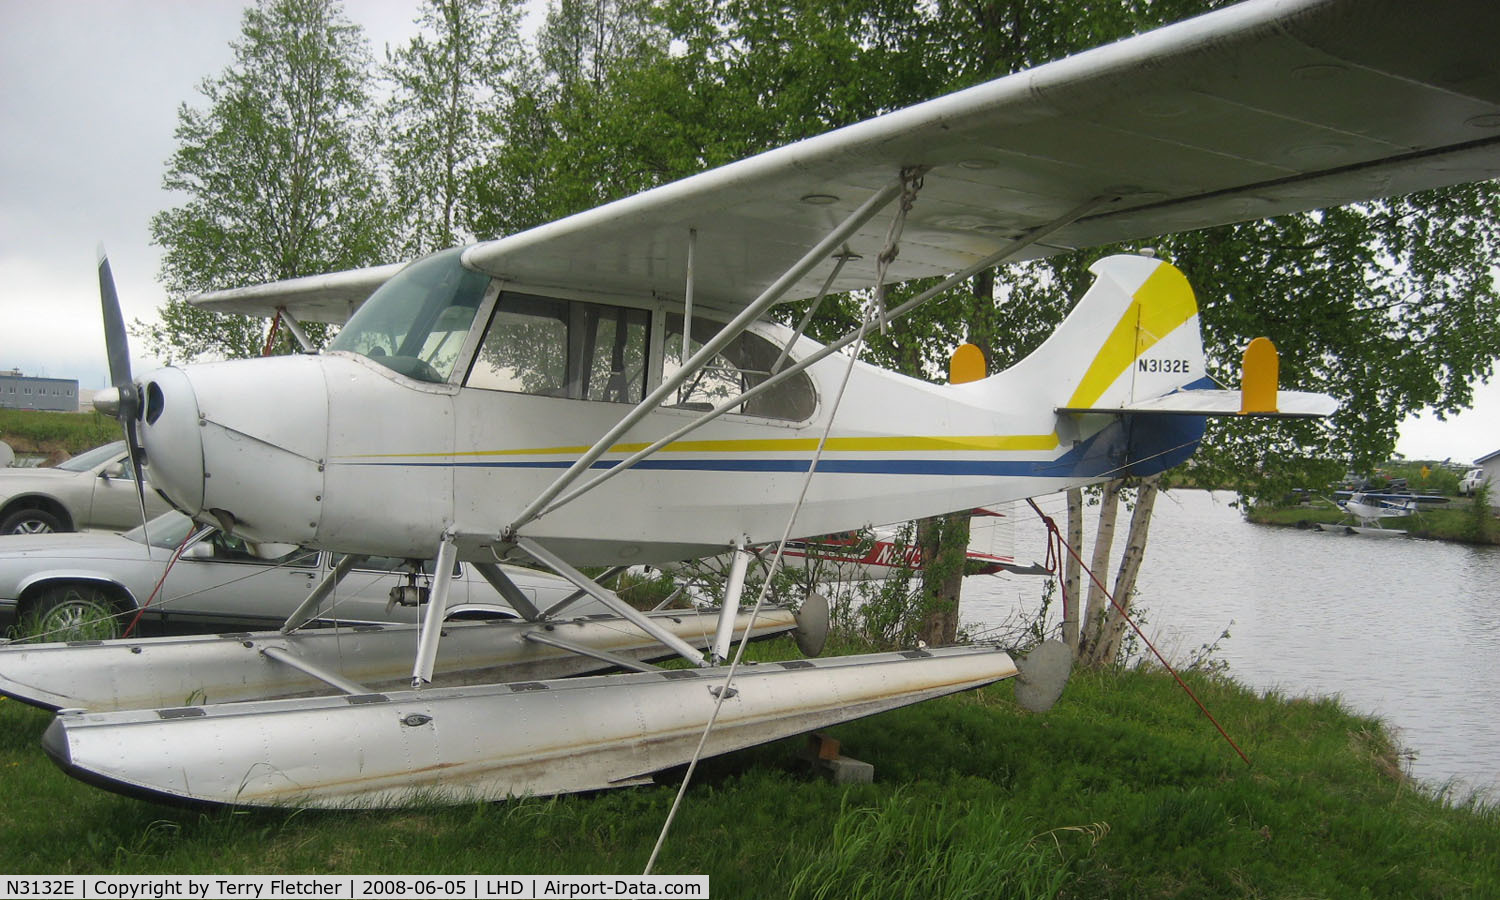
(315, 298)
(1267, 107)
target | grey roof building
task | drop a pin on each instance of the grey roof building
(19, 391)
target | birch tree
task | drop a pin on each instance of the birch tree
(277, 172)
(451, 87)
(1100, 645)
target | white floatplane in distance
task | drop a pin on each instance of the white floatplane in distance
(1366, 509)
(606, 389)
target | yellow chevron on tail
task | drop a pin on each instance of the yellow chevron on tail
(1161, 304)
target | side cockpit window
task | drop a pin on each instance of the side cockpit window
(564, 348)
(744, 363)
(526, 348)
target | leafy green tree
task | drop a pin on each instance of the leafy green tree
(576, 133)
(278, 173)
(452, 83)
(1361, 300)
(1479, 515)
(584, 41)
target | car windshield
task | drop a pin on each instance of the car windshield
(166, 530)
(415, 324)
(90, 458)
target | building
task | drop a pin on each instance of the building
(1491, 466)
(19, 391)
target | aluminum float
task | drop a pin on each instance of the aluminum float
(455, 745)
(174, 671)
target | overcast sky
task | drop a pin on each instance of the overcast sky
(90, 98)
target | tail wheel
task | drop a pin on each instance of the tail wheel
(73, 612)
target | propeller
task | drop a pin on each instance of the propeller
(123, 399)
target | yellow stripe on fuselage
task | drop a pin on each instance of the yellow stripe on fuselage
(1162, 303)
(935, 443)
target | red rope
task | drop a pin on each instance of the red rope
(1054, 561)
(176, 554)
(271, 335)
(1052, 529)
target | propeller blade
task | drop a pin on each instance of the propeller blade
(114, 327)
(116, 345)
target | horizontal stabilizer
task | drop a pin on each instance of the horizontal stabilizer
(1289, 405)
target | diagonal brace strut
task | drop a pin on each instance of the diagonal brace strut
(625, 610)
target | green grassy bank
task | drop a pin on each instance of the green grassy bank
(1123, 790)
(38, 431)
(1458, 521)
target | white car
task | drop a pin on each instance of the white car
(76, 586)
(95, 489)
(1470, 482)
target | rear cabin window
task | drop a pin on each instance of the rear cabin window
(744, 363)
(564, 348)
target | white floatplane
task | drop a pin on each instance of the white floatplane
(607, 390)
(1366, 509)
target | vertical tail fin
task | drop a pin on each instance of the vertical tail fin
(1132, 337)
(1133, 345)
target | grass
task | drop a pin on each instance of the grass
(1122, 790)
(38, 431)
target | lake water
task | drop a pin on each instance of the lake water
(1402, 628)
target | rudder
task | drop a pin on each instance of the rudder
(1131, 337)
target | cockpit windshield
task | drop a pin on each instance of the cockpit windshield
(415, 324)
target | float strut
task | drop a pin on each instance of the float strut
(513, 595)
(318, 672)
(630, 665)
(724, 634)
(624, 610)
(309, 607)
(437, 605)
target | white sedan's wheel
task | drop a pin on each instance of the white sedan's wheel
(73, 612)
(31, 521)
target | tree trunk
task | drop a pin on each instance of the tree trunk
(1104, 536)
(1108, 646)
(944, 541)
(1072, 596)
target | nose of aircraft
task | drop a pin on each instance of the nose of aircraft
(240, 443)
(172, 437)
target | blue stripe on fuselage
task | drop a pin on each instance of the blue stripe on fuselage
(1133, 445)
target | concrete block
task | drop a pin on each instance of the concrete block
(844, 770)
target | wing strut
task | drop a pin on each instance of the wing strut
(295, 328)
(999, 256)
(824, 248)
(838, 266)
(687, 297)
